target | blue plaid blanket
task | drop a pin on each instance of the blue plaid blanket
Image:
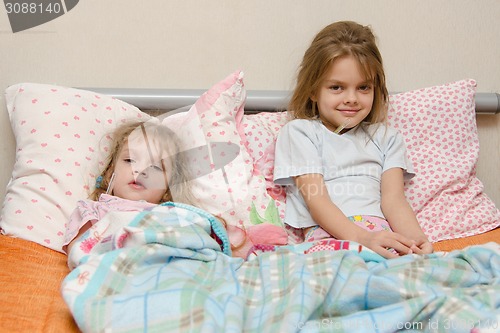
(169, 275)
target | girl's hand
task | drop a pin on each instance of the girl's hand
(382, 241)
(423, 247)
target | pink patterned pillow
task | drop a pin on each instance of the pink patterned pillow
(439, 127)
(226, 183)
(58, 133)
(261, 131)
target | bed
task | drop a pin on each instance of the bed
(272, 281)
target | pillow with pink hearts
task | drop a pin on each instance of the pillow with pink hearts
(59, 150)
(439, 127)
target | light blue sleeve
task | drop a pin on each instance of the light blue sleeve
(298, 151)
(396, 155)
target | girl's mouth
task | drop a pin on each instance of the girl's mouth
(347, 112)
(136, 185)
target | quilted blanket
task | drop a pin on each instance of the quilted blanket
(162, 271)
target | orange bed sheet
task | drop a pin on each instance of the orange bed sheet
(30, 278)
(460, 243)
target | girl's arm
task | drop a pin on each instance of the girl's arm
(398, 212)
(84, 228)
(327, 215)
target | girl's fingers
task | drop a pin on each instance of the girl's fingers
(392, 245)
(400, 244)
(387, 253)
(416, 249)
(410, 244)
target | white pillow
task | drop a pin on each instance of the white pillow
(61, 147)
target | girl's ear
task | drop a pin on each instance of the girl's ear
(314, 96)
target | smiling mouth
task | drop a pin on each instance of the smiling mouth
(348, 112)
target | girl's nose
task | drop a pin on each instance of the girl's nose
(137, 172)
(350, 97)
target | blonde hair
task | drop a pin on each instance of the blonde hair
(167, 141)
(337, 40)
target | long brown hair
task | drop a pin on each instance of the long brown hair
(337, 40)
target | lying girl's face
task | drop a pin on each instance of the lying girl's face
(140, 171)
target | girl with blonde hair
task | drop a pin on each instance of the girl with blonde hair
(144, 168)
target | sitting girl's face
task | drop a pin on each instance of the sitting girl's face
(139, 171)
(345, 97)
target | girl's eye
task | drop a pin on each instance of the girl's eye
(128, 160)
(365, 88)
(335, 88)
(157, 168)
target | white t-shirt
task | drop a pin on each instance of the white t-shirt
(351, 164)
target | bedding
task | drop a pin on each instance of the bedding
(166, 273)
(61, 145)
(31, 276)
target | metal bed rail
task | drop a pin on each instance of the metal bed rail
(257, 100)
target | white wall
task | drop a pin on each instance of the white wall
(194, 43)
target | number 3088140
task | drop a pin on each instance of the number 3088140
(33, 8)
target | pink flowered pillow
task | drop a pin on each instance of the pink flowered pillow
(225, 181)
(59, 150)
(439, 127)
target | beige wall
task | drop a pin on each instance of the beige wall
(194, 43)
